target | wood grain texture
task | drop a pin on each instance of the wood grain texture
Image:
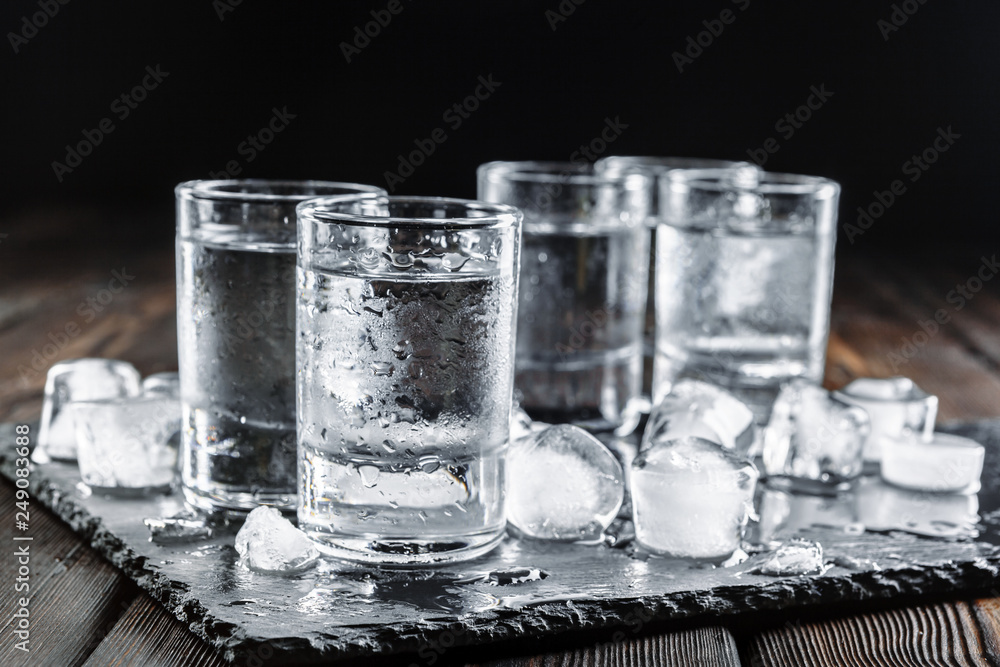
(76, 596)
(147, 636)
(917, 636)
(711, 646)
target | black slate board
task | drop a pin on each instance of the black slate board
(340, 610)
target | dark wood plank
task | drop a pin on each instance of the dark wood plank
(878, 307)
(147, 636)
(711, 646)
(76, 596)
(917, 636)
(987, 614)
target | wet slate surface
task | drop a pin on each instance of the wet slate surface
(339, 610)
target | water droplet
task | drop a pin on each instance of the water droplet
(382, 368)
(243, 419)
(429, 464)
(543, 257)
(368, 258)
(369, 476)
(453, 261)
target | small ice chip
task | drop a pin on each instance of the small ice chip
(78, 380)
(895, 405)
(563, 484)
(269, 543)
(698, 409)
(943, 464)
(794, 558)
(179, 529)
(813, 439)
(691, 498)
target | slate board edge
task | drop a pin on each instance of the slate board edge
(503, 624)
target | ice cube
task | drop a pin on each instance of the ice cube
(883, 507)
(563, 484)
(945, 463)
(269, 543)
(895, 405)
(125, 444)
(691, 498)
(814, 440)
(184, 527)
(698, 409)
(78, 380)
(795, 557)
(166, 384)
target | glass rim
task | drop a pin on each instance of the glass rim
(214, 189)
(497, 216)
(564, 172)
(663, 163)
(767, 182)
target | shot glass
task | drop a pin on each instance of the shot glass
(406, 328)
(654, 167)
(744, 273)
(583, 289)
(236, 338)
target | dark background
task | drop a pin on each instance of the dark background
(229, 69)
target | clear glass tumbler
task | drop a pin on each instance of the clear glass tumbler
(583, 289)
(744, 274)
(654, 167)
(406, 327)
(236, 338)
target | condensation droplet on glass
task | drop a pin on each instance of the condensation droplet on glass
(369, 476)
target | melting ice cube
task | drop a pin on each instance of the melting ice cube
(795, 557)
(895, 405)
(691, 498)
(813, 439)
(944, 463)
(698, 409)
(125, 444)
(269, 543)
(78, 380)
(167, 384)
(563, 484)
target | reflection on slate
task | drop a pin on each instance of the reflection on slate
(338, 610)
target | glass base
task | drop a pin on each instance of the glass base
(811, 487)
(130, 491)
(400, 552)
(238, 501)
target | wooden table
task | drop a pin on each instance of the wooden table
(85, 611)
